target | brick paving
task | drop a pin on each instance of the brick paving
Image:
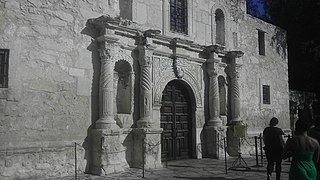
(195, 169)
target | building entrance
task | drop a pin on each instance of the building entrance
(176, 116)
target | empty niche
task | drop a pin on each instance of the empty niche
(222, 95)
(123, 87)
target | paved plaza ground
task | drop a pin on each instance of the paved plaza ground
(196, 169)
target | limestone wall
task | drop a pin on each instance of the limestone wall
(155, 14)
(52, 98)
(257, 70)
(47, 106)
(241, 33)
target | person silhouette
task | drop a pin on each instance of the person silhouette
(273, 138)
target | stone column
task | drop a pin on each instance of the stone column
(145, 60)
(213, 126)
(234, 86)
(108, 154)
(106, 94)
(214, 100)
(233, 137)
(147, 137)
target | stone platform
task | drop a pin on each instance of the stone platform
(195, 169)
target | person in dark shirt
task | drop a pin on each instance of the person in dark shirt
(274, 143)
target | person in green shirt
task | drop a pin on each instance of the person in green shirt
(304, 151)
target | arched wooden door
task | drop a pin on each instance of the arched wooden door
(175, 120)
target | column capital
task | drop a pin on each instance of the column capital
(104, 54)
(142, 37)
(234, 54)
(211, 50)
(145, 55)
(212, 72)
(214, 48)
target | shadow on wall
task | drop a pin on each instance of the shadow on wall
(87, 144)
(279, 42)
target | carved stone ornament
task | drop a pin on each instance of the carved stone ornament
(104, 54)
(178, 69)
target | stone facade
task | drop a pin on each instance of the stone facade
(93, 73)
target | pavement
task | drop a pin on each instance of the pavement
(244, 168)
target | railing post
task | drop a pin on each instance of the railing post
(225, 155)
(75, 161)
(143, 155)
(256, 147)
(261, 152)
(218, 143)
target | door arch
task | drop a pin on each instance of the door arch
(176, 119)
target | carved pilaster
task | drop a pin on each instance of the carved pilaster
(106, 119)
(233, 73)
(214, 100)
(145, 60)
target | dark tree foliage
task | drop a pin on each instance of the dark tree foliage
(301, 20)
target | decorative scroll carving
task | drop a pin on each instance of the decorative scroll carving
(168, 76)
(164, 72)
(106, 76)
(234, 76)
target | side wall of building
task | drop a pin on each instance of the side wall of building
(47, 105)
(257, 70)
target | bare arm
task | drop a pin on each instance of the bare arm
(316, 154)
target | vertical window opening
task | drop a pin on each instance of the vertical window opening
(178, 16)
(220, 27)
(261, 42)
(4, 67)
(266, 94)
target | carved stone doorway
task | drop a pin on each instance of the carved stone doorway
(176, 121)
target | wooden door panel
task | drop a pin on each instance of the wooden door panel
(175, 121)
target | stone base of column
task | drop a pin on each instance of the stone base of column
(108, 153)
(144, 123)
(213, 142)
(215, 122)
(106, 123)
(147, 148)
(234, 134)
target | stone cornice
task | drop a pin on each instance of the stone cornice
(112, 28)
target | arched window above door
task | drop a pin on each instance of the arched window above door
(220, 27)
